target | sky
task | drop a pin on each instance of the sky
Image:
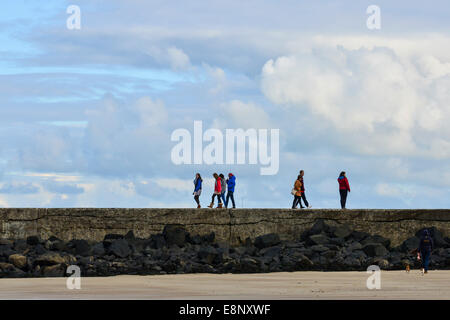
(86, 115)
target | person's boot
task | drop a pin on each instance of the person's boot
(219, 206)
(211, 205)
(199, 206)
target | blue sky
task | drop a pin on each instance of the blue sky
(86, 115)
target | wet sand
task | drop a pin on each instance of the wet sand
(285, 285)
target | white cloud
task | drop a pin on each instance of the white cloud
(239, 114)
(377, 101)
(177, 58)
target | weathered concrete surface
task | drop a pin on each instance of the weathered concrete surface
(231, 225)
(284, 285)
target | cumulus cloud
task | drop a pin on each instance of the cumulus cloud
(126, 138)
(376, 101)
(239, 114)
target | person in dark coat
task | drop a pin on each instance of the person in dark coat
(425, 248)
(231, 182)
(302, 191)
(344, 188)
(297, 193)
(223, 186)
(197, 189)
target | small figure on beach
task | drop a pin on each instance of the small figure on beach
(425, 248)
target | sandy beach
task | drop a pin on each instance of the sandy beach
(286, 285)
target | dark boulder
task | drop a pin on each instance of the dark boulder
(209, 255)
(337, 241)
(196, 239)
(342, 231)
(57, 245)
(359, 236)
(113, 236)
(320, 238)
(33, 240)
(249, 265)
(376, 239)
(57, 270)
(98, 249)
(354, 246)
(303, 263)
(120, 248)
(81, 247)
(39, 249)
(319, 226)
(375, 250)
(6, 251)
(410, 244)
(319, 248)
(7, 270)
(174, 234)
(49, 259)
(351, 262)
(270, 251)
(20, 245)
(157, 241)
(267, 240)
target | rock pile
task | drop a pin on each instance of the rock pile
(323, 247)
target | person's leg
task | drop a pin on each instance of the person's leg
(197, 199)
(223, 197)
(232, 198)
(426, 260)
(343, 198)
(304, 199)
(294, 203)
(212, 201)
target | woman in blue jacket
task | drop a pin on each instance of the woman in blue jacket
(197, 189)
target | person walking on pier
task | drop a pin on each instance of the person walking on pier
(231, 182)
(223, 185)
(217, 191)
(344, 188)
(197, 189)
(425, 249)
(297, 193)
(302, 191)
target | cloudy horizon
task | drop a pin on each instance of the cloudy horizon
(87, 115)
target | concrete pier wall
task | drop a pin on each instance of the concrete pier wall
(230, 225)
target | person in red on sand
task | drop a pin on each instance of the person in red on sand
(344, 188)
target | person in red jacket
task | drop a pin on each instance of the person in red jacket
(344, 188)
(217, 191)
